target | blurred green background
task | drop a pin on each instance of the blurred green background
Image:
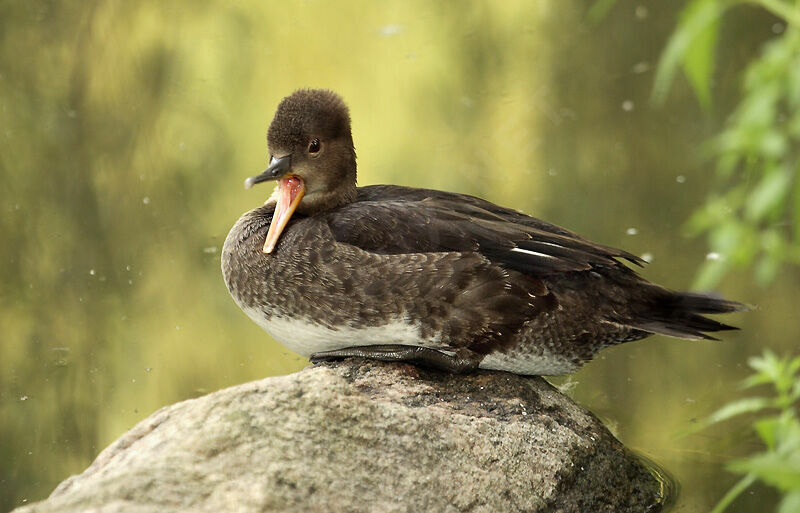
(126, 129)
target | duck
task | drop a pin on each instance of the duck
(439, 279)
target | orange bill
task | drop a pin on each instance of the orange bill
(290, 191)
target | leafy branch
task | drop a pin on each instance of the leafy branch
(778, 465)
(749, 219)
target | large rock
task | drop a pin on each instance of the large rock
(366, 436)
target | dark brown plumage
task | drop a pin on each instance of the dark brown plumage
(446, 279)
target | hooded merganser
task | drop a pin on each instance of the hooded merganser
(332, 270)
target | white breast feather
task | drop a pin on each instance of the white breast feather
(305, 337)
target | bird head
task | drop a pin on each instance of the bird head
(311, 157)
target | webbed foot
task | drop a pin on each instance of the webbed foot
(462, 361)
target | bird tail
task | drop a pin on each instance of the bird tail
(680, 314)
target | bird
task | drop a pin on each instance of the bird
(439, 279)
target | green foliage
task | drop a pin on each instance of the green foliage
(777, 425)
(599, 10)
(749, 220)
(692, 48)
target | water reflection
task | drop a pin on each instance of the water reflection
(670, 488)
(128, 127)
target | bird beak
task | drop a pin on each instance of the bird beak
(288, 194)
(277, 168)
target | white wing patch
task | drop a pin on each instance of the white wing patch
(529, 252)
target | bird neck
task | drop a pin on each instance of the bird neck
(330, 199)
(339, 191)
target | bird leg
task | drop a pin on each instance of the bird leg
(462, 361)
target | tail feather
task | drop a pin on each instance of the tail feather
(679, 315)
(706, 303)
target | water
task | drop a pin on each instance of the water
(127, 129)
(670, 488)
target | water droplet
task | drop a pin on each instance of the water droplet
(641, 67)
(647, 257)
(146, 200)
(210, 250)
(680, 179)
(627, 105)
(127, 268)
(23, 398)
(631, 231)
(713, 255)
(552, 172)
(91, 272)
(391, 29)
(641, 12)
(778, 28)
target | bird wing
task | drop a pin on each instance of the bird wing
(456, 299)
(394, 220)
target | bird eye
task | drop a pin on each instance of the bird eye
(314, 146)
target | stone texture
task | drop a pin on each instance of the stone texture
(365, 436)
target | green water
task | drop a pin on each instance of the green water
(126, 129)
